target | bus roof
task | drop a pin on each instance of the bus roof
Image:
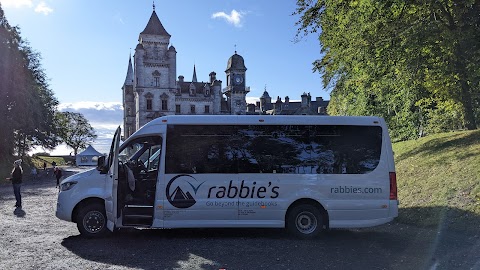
(266, 120)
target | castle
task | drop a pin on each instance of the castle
(152, 89)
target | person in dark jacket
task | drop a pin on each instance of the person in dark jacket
(16, 179)
(58, 175)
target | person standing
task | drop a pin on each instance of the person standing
(34, 173)
(54, 166)
(58, 175)
(16, 179)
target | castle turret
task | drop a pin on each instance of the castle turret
(128, 101)
(236, 90)
(194, 77)
(172, 61)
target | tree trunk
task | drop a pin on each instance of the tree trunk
(469, 115)
(465, 95)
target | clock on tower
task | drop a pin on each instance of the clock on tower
(238, 79)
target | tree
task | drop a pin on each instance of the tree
(412, 62)
(27, 105)
(74, 130)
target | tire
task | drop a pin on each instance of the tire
(92, 221)
(305, 221)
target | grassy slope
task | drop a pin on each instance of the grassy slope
(439, 179)
(38, 161)
(7, 165)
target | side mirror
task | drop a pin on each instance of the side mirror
(101, 163)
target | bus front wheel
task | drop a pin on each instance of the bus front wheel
(92, 221)
(305, 221)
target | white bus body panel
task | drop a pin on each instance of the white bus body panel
(351, 200)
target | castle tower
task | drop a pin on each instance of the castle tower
(154, 72)
(236, 90)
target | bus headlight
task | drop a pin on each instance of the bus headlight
(67, 185)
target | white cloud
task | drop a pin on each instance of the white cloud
(17, 3)
(235, 17)
(118, 18)
(43, 8)
(100, 106)
(252, 100)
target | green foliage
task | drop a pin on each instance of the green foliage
(74, 130)
(27, 105)
(415, 63)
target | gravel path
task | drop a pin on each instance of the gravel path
(36, 239)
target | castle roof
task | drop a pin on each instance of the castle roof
(155, 27)
(129, 77)
(194, 78)
(236, 62)
(200, 87)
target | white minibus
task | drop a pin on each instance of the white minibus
(303, 173)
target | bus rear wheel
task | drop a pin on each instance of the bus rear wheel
(305, 221)
(92, 221)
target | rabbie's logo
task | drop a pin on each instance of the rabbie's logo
(178, 190)
(181, 189)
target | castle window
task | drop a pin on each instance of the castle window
(156, 77)
(129, 112)
(177, 108)
(192, 109)
(164, 105)
(149, 104)
(207, 109)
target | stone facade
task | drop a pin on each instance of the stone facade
(152, 89)
(304, 107)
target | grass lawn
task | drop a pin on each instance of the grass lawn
(38, 161)
(438, 180)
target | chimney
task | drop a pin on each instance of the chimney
(250, 108)
(304, 100)
(213, 77)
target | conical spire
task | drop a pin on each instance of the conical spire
(194, 79)
(154, 26)
(129, 78)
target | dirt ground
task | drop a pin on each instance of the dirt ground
(35, 239)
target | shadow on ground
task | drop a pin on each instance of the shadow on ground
(398, 245)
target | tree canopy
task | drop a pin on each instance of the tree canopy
(74, 130)
(415, 63)
(27, 105)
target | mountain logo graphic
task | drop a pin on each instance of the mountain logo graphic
(177, 196)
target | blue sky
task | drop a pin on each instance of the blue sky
(85, 45)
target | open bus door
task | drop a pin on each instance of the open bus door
(112, 182)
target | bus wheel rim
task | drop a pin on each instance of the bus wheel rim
(306, 222)
(94, 221)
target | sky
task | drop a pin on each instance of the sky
(85, 47)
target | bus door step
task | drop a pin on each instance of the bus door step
(137, 215)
